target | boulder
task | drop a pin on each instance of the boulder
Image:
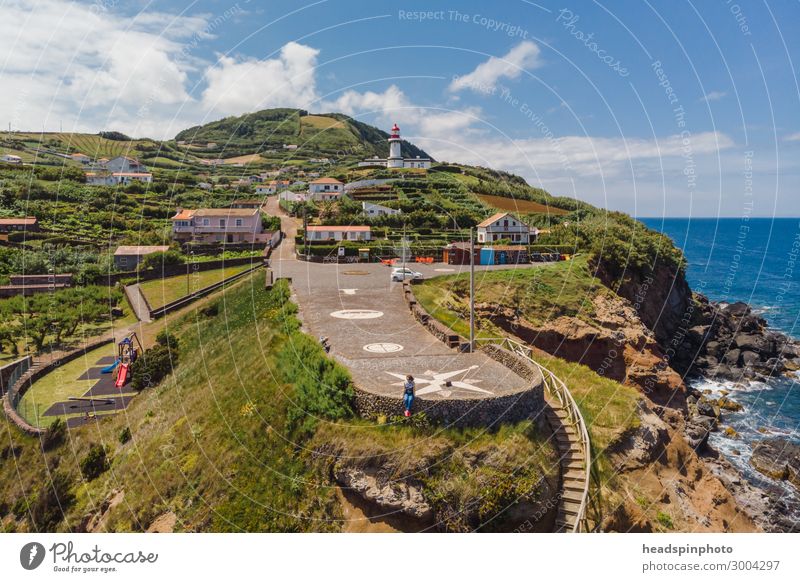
(726, 403)
(713, 348)
(778, 458)
(706, 407)
(738, 309)
(731, 357)
(748, 341)
(696, 435)
(749, 358)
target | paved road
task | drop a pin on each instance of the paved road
(373, 333)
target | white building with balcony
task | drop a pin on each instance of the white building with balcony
(222, 225)
(506, 226)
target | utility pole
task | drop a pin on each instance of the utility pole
(472, 289)
(305, 230)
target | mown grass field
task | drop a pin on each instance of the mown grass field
(162, 291)
(519, 205)
(93, 146)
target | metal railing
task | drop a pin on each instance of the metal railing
(559, 392)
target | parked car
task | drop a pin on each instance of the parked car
(402, 274)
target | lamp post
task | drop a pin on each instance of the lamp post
(471, 289)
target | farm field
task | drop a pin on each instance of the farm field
(162, 291)
(519, 205)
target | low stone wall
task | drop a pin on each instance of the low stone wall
(17, 391)
(485, 412)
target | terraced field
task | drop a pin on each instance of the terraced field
(519, 205)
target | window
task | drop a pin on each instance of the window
(222, 223)
(505, 223)
(239, 222)
(123, 261)
(206, 222)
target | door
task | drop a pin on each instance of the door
(230, 238)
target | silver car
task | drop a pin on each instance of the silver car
(403, 274)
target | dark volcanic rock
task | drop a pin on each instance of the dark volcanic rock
(779, 459)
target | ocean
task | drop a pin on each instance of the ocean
(755, 260)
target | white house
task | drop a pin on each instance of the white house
(128, 177)
(106, 179)
(505, 226)
(82, 158)
(99, 179)
(290, 196)
(11, 159)
(272, 187)
(374, 210)
(339, 233)
(125, 165)
(325, 189)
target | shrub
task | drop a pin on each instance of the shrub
(322, 387)
(167, 339)
(157, 260)
(152, 367)
(51, 502)
(95, 463)
(124, 435)
(55, 434)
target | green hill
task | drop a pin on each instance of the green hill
(315, 135)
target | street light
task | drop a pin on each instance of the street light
(471, 289)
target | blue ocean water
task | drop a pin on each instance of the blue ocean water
(755, 260)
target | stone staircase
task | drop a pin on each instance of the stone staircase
(573, 463)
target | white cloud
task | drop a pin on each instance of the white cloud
(485, 76)
(69, 62)
(390, 103)
(792, 137)
(714, 96)
(236, 86)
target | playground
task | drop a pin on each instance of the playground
(92, 385)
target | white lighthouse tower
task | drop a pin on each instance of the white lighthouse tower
(395, 159)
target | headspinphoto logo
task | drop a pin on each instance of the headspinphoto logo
(31, 555)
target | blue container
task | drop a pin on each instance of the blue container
(487, 256)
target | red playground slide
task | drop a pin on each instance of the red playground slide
(122, 375)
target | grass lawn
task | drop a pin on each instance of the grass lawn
(162, 291)
(540, 293)
(60, 384)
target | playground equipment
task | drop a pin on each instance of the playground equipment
(127, 352)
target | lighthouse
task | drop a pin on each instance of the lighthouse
(395, 159)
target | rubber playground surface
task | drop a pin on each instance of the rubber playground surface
(103, 396)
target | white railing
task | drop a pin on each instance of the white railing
(558, 391)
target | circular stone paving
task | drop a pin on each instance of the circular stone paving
(383, 348)
(357, 314)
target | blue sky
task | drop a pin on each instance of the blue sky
(660, 108)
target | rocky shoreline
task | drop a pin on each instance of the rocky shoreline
(732, 344)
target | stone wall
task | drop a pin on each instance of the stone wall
(17, 391)
(486, 412)
(9, 371)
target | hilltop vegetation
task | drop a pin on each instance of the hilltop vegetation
(314, 135)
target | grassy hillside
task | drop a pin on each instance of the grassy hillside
(326, 135)
(226, 442)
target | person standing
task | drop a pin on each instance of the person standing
(408, 394)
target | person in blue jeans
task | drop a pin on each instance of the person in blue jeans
(408, 394)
